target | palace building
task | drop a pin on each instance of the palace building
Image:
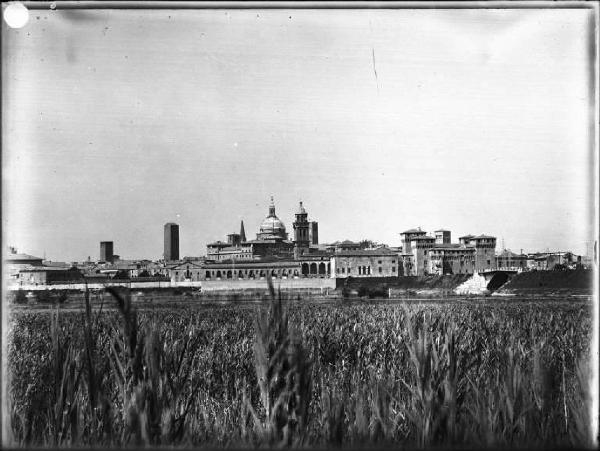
(437, 255)
(272, 253)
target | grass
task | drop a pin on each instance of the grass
(301, 375)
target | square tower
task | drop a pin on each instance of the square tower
(442, 236)
(106, 251)
(313, 232)
(171, 242)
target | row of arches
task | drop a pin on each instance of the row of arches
(312, 269)
(306, 269)
(251, 273)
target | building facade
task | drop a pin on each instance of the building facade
(366, 263)
(510, 260)
(428, 255)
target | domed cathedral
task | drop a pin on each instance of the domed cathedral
(272, 238)
(271, 252)
(271, 242)
(272, 228)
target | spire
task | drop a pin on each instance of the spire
(301, 210)
(242, 233)
(272, 208)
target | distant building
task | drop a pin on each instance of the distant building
(442, 237)
(23, 259)
(508, 259)
(424, 255)
(46, 275)
(106, 251)
(407, 236)
(301, 233)
(15, 263)
(420, 246)
(448, 258)
(545, 261)
(366, 263)
(171, 244)
(271, 242)
(346, 245)
(485, 250)
(313, 233)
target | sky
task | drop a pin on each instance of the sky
(115, 122)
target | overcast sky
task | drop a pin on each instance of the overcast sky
(116, 122)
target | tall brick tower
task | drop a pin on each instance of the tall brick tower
(171, 242)
(301, 232)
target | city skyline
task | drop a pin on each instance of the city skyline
(501, 244)
(117, 122)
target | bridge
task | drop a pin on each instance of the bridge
(497, 277)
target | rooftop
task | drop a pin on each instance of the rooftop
(451, 246)
(22, 257)
(45, 268)
(218, 244)
(366, 252)
(413, 231)
(251, 264)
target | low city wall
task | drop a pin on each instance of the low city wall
(311, 284)
(323, 285)
(432, 285)
(100, 286)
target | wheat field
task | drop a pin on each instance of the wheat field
(280, 374)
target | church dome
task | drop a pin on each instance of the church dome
(272, 225)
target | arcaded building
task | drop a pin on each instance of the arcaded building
(273, 253)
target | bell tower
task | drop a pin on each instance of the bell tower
(301, 229)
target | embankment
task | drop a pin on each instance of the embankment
(544, 283)
(401, 286)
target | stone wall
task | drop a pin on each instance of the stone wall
(313, 284)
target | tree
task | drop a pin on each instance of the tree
(121, 274)
(366, 244)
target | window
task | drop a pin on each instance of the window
(393, 269)
(380, 270)
(393, 261)
(379, 261)
(488, 262)
(343, 270)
